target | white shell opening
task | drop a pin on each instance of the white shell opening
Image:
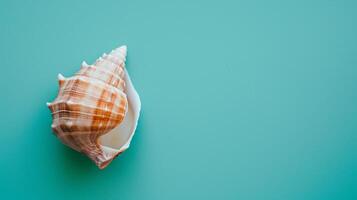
(118, 139)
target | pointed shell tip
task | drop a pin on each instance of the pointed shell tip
(84, 64)
(60, 77)
(124, 47)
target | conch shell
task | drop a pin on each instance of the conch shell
(96, 110)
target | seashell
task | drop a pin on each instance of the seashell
(97, 110)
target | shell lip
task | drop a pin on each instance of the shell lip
(124, 131)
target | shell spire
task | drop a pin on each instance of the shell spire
(108, 68)
(91, 104)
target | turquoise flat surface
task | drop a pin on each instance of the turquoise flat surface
(241, 99)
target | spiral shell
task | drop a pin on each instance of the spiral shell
(93, 103)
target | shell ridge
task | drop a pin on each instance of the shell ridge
(75, 103)
(89, 80)
(84, 113)
(100, 69)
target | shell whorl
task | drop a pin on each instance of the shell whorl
(90, 104)
(108, 68)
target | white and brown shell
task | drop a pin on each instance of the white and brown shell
(96, 110)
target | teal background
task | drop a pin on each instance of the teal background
(241, 99)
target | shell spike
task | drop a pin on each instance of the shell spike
(61, 79)
(84, 64)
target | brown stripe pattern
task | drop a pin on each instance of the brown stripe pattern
(90, 104)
